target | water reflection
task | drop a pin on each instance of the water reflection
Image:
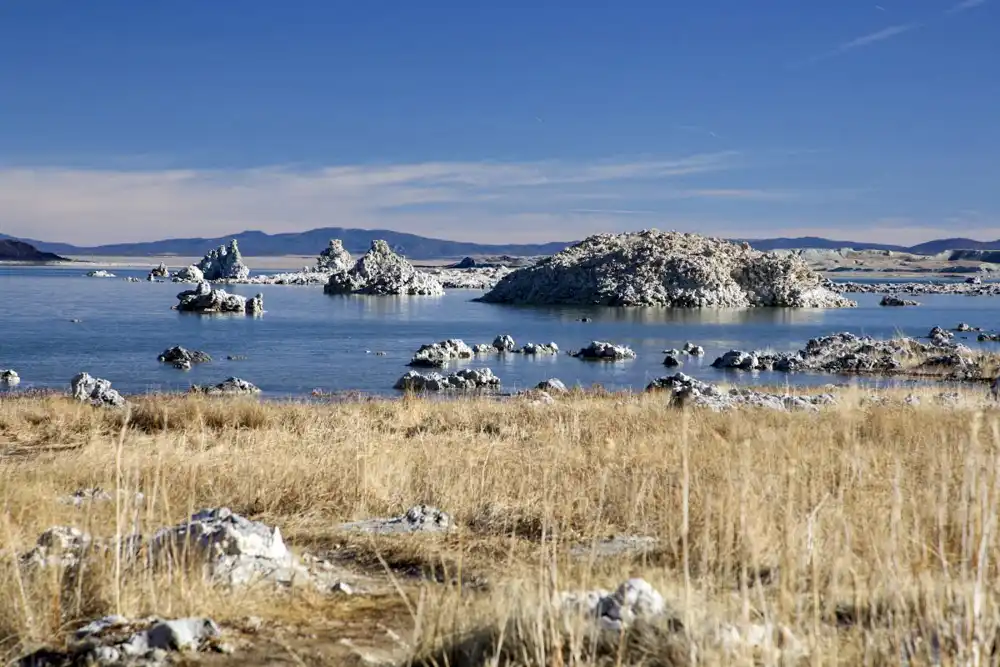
(761, 316)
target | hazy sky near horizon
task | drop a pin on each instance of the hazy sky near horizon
(125, 121)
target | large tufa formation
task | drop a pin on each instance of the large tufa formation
(204, 299)
(224, 263)
(653, 268)
(383, 272)
(335, 259)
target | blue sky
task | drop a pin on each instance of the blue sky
(124, 120)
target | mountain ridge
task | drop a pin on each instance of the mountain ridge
(255, 243)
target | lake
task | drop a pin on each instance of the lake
(308, 340)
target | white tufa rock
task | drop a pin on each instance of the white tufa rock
(160, 271)
(483, 348)
(205, 299)
(504, 343)
(100, 273)
(232, 548)
(891, 300)
(189, 274)
(653, 268)
(435, 355)
(224, 263)
(552, 386)
(417, 519)
(686, 390)
(96, 391)
(539, 349)
(382, 272)
(693, 350)
(233, 386)
(466, 379)
(633, 600)
(335, 259)
(602, 351)
(9, 377)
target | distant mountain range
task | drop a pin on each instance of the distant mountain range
(357, 241)
(259, 244)
(12, 250)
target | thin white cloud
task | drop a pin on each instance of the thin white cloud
(474, 200)
(860, 42)
(965, 6)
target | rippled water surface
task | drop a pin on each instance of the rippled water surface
(309, 340)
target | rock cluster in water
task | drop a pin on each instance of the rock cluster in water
(96, 391)
(603, 351)
(205, 299)
(382, 272)
(436, 355)
(100, 273)
(890, 300)
(224, 263)
(918, 288)
(467, 379)
(848, 353)
(182, 358)
(160, 271)
(653, 268)
(9, 377)
(686, 390)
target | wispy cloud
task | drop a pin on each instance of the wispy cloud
(964, 6)
(860, 42)
(482, 200)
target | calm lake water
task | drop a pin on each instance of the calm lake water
(309, 340)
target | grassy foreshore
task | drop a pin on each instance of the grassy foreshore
(862, 533)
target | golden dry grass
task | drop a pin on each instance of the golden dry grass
(868, 531)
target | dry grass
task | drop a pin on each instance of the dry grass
(868, 531)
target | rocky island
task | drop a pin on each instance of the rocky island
(672, 269)
(382, 272)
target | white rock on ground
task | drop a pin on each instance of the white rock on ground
(435, 355)
(224, 263)
(552, 386)
(653, 268)
(232, 548)
(116, 640)
(603, 351)
(100, 273)
(233, 386)
(633, 600)
(96, 391)
(467, 379)
(382, 272)
(9, 377)
(205, 299)
(334, 259)
(686, 390)
(417, 519)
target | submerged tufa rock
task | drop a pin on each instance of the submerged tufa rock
(383, 272)
(653, 268)
(224, 263)
(436, 355)
(183, 358)
(96, 391)
(602, 351)
(205, 299)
